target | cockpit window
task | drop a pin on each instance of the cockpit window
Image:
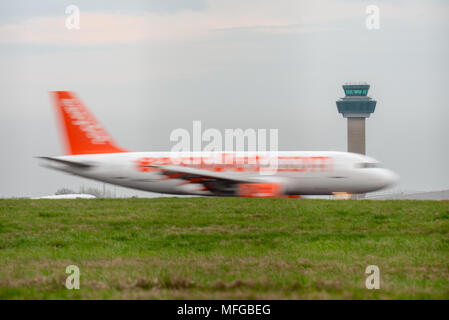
(365, 165)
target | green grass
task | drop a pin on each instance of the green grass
(199, 248)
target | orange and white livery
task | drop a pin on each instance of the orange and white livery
(92, 153)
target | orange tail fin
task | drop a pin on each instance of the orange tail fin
(82, 132)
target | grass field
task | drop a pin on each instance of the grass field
(199, 248)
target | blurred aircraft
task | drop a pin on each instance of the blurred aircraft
(92, 153)
(66, 196)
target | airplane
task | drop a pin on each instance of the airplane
(92, 153)
(66, 196)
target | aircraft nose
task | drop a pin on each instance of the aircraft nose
(389, 178)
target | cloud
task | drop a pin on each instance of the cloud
(105, 28)
(283, 16)
(118, 28)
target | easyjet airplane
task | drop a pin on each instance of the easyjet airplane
(92, 153)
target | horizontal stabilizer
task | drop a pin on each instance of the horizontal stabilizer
(74, 164)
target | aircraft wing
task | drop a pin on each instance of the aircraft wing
(220, 184)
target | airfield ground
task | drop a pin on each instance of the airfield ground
(200, 248)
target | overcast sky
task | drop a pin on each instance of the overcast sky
(148, 67)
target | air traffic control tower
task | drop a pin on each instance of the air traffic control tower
(356, 106)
